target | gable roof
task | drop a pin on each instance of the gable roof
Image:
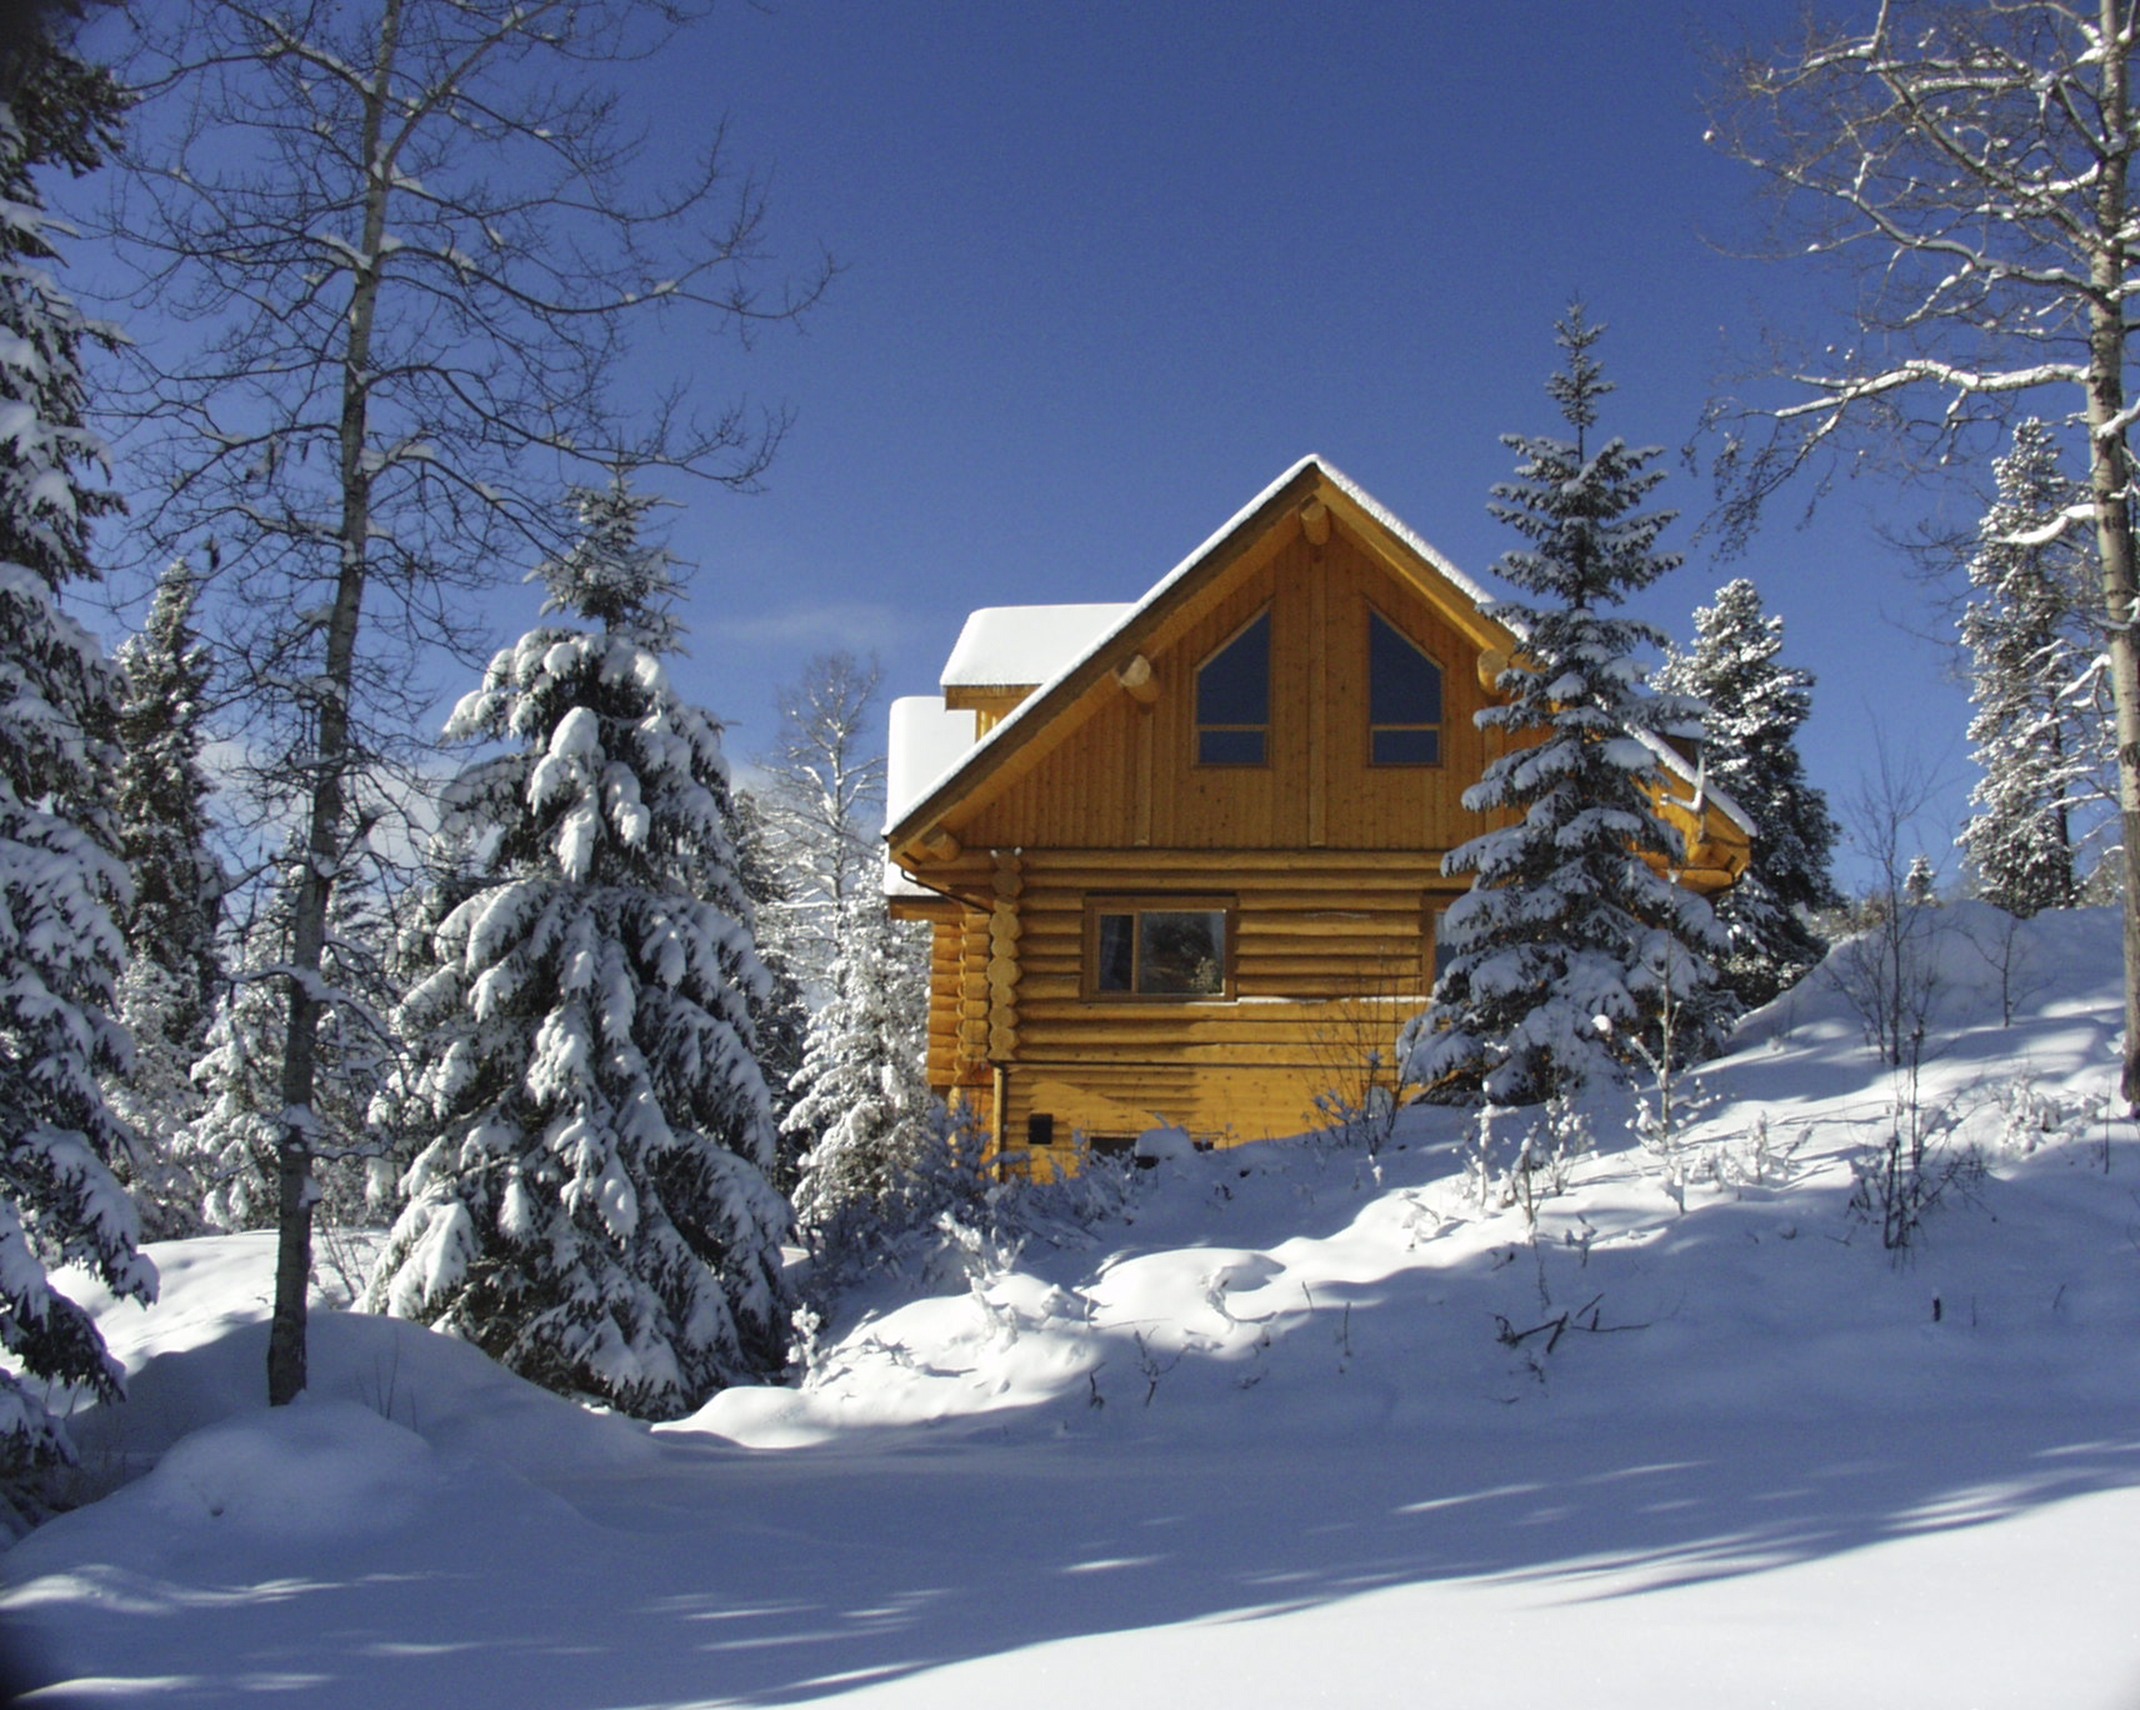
(997, 638)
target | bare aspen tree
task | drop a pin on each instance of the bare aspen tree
(1969, 167)
(409, 237)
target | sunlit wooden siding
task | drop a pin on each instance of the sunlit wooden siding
(1329, 959)
(1331, 867)
(1127, 777)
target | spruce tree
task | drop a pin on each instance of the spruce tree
(62, 876)
(227, 1152)
(173, 970)
(1755, 707)
(1560, 957)
(2039, 737)
(865, 1112)
(1920, 885)
(594, 1211)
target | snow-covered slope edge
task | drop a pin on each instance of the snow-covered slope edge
(1302, 1285)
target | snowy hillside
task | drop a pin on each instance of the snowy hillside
(1296, 1424)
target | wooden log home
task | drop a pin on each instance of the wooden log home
(1182, 858)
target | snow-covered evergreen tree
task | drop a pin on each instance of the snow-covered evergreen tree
(1920, 885)
(1755, 708)
(61, 874)
(227, 1152)
(1559, 955)
(594, 1212)
(2040, 737)
(781, 1015)
(173, 971)
(229, 1149)
(865, 1110)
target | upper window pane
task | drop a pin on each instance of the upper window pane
(1401, 747)
(1233, 699)
(1229, 747)
(1404, 698)
(1404, 685)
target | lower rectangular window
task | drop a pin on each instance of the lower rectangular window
(1158, 947)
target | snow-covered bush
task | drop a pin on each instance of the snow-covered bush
(1914, 1160)
(1759, 1158)
(2030, 1117)
(1670, 1100)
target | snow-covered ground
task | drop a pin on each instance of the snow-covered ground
(1274, 1435)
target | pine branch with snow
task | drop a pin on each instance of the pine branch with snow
(782, 1014)
(594, 1211)
(229, 1150)
(1561, 951)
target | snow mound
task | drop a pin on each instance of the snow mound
(199, 1357)
(311, 1470)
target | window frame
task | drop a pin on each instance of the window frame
(1439, 727)
(1196, 708)
(1137, 905)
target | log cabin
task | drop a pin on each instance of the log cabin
(1182, 858)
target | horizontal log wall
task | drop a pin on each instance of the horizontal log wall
(1329, 961)
(1333, 866)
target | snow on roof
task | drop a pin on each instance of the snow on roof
(1105, 632)
(1391, 521)
(1695, 775)
(1027, 644)
(926, 740)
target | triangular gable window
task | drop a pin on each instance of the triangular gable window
(1233, 699)
(1404, 697)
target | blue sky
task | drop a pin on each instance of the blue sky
(1110, 268)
